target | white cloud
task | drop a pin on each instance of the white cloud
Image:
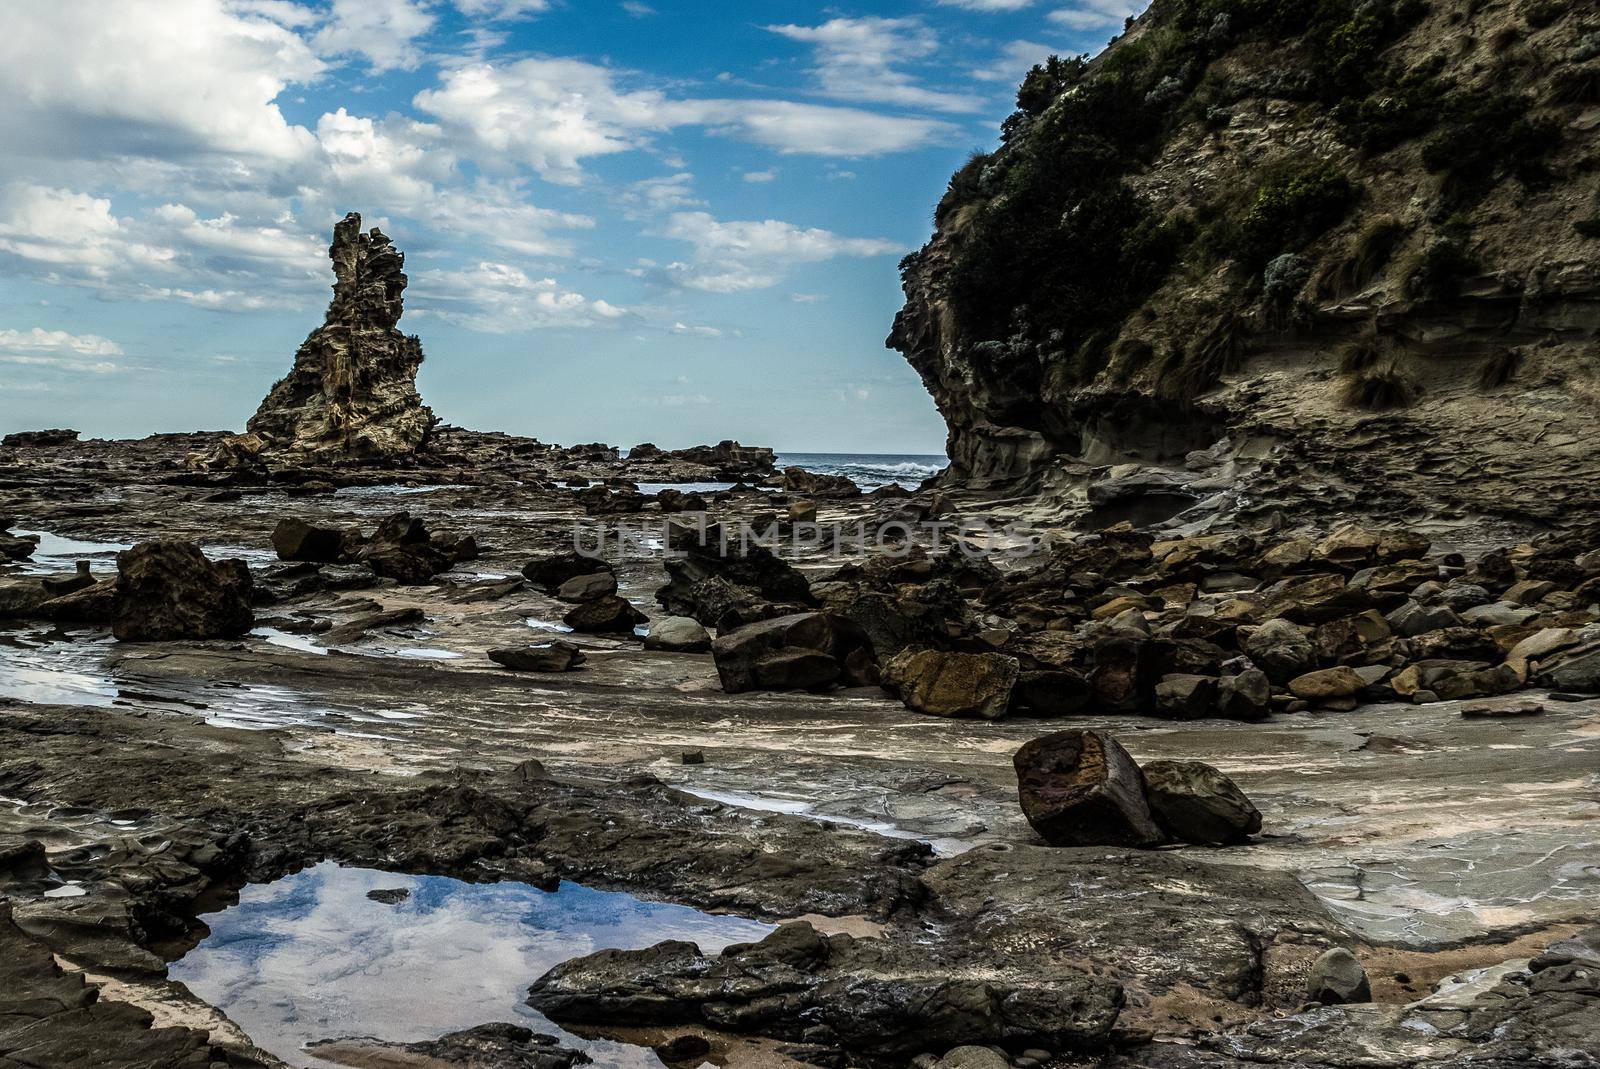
(1016, 59)
(383, 32)
(761, 176)
(165, 78)
(60, 230)
(552, 114)
(697, 331)
(859, 59)
(501, 298)
(1097, 14)
(748, 255)
(638, 10)
(654, 196)
(986, 5)
(502, 9)
(39, 340)
(59, 350)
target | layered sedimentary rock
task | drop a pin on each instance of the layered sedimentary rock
(1338, 256)
(352, 393)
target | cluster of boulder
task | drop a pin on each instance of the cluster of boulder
(728, 459)
(1081, 788)
(400, 548)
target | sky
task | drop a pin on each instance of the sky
(625, 221)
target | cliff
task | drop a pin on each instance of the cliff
(352, 392)
(1336, 256)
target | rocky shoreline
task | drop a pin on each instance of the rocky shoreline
(1326, 674)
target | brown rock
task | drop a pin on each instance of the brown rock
(943, 683)
(1081, 788)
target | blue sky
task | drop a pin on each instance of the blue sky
(632, 221)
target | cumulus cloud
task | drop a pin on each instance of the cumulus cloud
(730, 257)
(553, 114)
(860, 59)
(501, 298)
(59, 350)
(1015, 60)
(986, 5)
(384, 33)
(167, 78)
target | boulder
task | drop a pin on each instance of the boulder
(608, 614)
(1414, 618)
(170, 590)
(1050, 692)
(1195, 802)
(677, 634)
(17, 547)
(1081, 788)
(799, 651)
(1337, 978)
(557, 656)
(296, 540)
(1181, 696)
(1328, 683)
(550, 571)
(943, 683)
(1575, 669)
(1280, 649)
(1246, 696)
(581, 588)
(754, 583)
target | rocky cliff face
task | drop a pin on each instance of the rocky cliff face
(352, 392)
(1339, 256)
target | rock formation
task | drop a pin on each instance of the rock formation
(352, 392)
(1322, 257)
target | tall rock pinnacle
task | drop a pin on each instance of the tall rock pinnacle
(352, 392)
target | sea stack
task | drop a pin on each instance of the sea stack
(352, 393)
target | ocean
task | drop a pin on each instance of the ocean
(870, 470)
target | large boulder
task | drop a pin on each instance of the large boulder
(1081, 788)
(1327, 684)
(800, 651)
(1195, 802)
(608, 614)
(753, 582)
(1281, 650)
(297, 540)
(943, 683)
(403, 549)
(1576, 669)
(581, 588)
(550, 571)
(1337, 977)
(170, 590)
(677, 634)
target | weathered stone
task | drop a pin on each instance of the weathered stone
(1337, 977)
(1280, 649)
(557, 656)
(1195, 802)
(1186, 697)
(552, 570)
(740, 654)
(1413, 618)
(170, 590)
(943, 683)
(1050, 692)
(352, 393)
(1081, 788)
(588, 587)
(677, 634)
(296, 540)
(1339, 682)
(1246, 696)
(607, 614)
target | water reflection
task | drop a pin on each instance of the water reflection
(311, 957)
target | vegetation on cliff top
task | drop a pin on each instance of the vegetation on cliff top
(1055, 249)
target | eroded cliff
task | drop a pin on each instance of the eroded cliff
(1340, 256)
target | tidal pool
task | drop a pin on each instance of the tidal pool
(311, 957)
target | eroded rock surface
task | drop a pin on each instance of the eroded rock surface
(352, 393)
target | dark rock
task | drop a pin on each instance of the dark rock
(1281, 650)
(1246, 696)
(1195, 802)
(39, 439)
(682, 1049)
(390, 896)
(943, 683)
(550, 571)
(760, 582)
(868, 997)
(1336, 978)
(1050, 692)
(608, 614)
(1185, 697)
(582, 588)
(486, 1046)
(677, 634)
(1081, 788)
(296, 540)
(558, 656)
(169, 590)
(352, 393)
(799, 650)
(1575, 669)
